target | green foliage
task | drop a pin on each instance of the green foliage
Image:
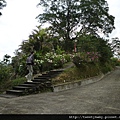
(67, 58)
(5, 76)
(82, 59)
(105, 51)
(59, 50)
(6, 59)
(18, 81)
(115, 46)
(65, 16)
(45, 50)
(5, 73)
(87, 43)
(79, 62)
(10, 83)
(19, 65)
(52, 60)
(92, 44)
(37, 40)
(115, 61)
(101, 57)
(22, 70)
(107, 67)
(95, 17)
(74, 74)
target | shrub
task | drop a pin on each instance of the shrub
(67, 57)
(5, 73)
(106, 67)
(78, 61)
(52, 60)
(10, 83)
(18, 81)
(115, 62)
(74, 74)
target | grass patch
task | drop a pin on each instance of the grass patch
(10, 83)
(74, 74)
(5, 86)
(18, 81)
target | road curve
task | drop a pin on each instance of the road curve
(102, 97)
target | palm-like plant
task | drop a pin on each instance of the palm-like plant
(39, 37)
(37, 41)
(26, 46)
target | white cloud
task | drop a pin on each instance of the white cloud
(16, 24)
(18, 21)
(114, 9)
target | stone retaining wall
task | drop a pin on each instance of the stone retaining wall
(74, 84)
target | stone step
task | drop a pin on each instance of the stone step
(56, 71)
(38, 84)
(32, 83)
(42, 77)
(28, 85)
(45, 74)
(15, 92)
(53, 74)
(21, 88)
(48, 83)
(40, 80)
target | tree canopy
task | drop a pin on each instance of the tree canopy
(71, 18)
(2, 4)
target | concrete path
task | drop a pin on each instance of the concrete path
(102, 97)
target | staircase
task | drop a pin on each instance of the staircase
(41, 83)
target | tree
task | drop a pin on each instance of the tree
(95, 17)
(87, 43)
(25, 47)
(115, 45)
(39, 40)
(2, 4)
(39, 36)
(104, 50)
(90, 43)
(6, 59)
(71, 18)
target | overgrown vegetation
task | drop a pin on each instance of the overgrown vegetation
(85, 70)
(56, 45)
(10, 83)
(74, 74)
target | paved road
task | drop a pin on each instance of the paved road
(102, 97)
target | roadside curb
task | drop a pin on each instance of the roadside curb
(71, 85)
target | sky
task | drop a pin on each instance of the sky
(18, 21)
